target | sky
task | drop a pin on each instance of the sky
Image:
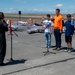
(37, 6)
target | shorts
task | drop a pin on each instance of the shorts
(68, 39)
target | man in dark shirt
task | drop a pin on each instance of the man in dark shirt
(3, 29)
(69, 33)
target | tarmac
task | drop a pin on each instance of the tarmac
(29, 59)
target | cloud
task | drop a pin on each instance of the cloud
(52, 10)
(10, 10)
(35, 9)
(38, 10)
(59, 5)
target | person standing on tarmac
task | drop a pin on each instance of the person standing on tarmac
(58, 26)
(3, 29)
(69, 32)
(48, 30)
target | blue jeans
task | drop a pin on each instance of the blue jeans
(57, 35)
(48, 39)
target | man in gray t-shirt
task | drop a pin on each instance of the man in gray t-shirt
(48, 30)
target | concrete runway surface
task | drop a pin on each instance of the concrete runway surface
(29, 58)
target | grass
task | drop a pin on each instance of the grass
(36, 17)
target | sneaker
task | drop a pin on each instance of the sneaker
(46, 47)
(55, 48)
(58, 49)
(69, 51)
(49, 46)
(66, 50)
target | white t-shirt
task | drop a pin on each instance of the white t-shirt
(48, 24)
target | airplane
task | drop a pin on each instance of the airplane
(23, 22)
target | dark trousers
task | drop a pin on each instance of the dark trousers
(57, 35)
(2, 48)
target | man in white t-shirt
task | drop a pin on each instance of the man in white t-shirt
(48, 30)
